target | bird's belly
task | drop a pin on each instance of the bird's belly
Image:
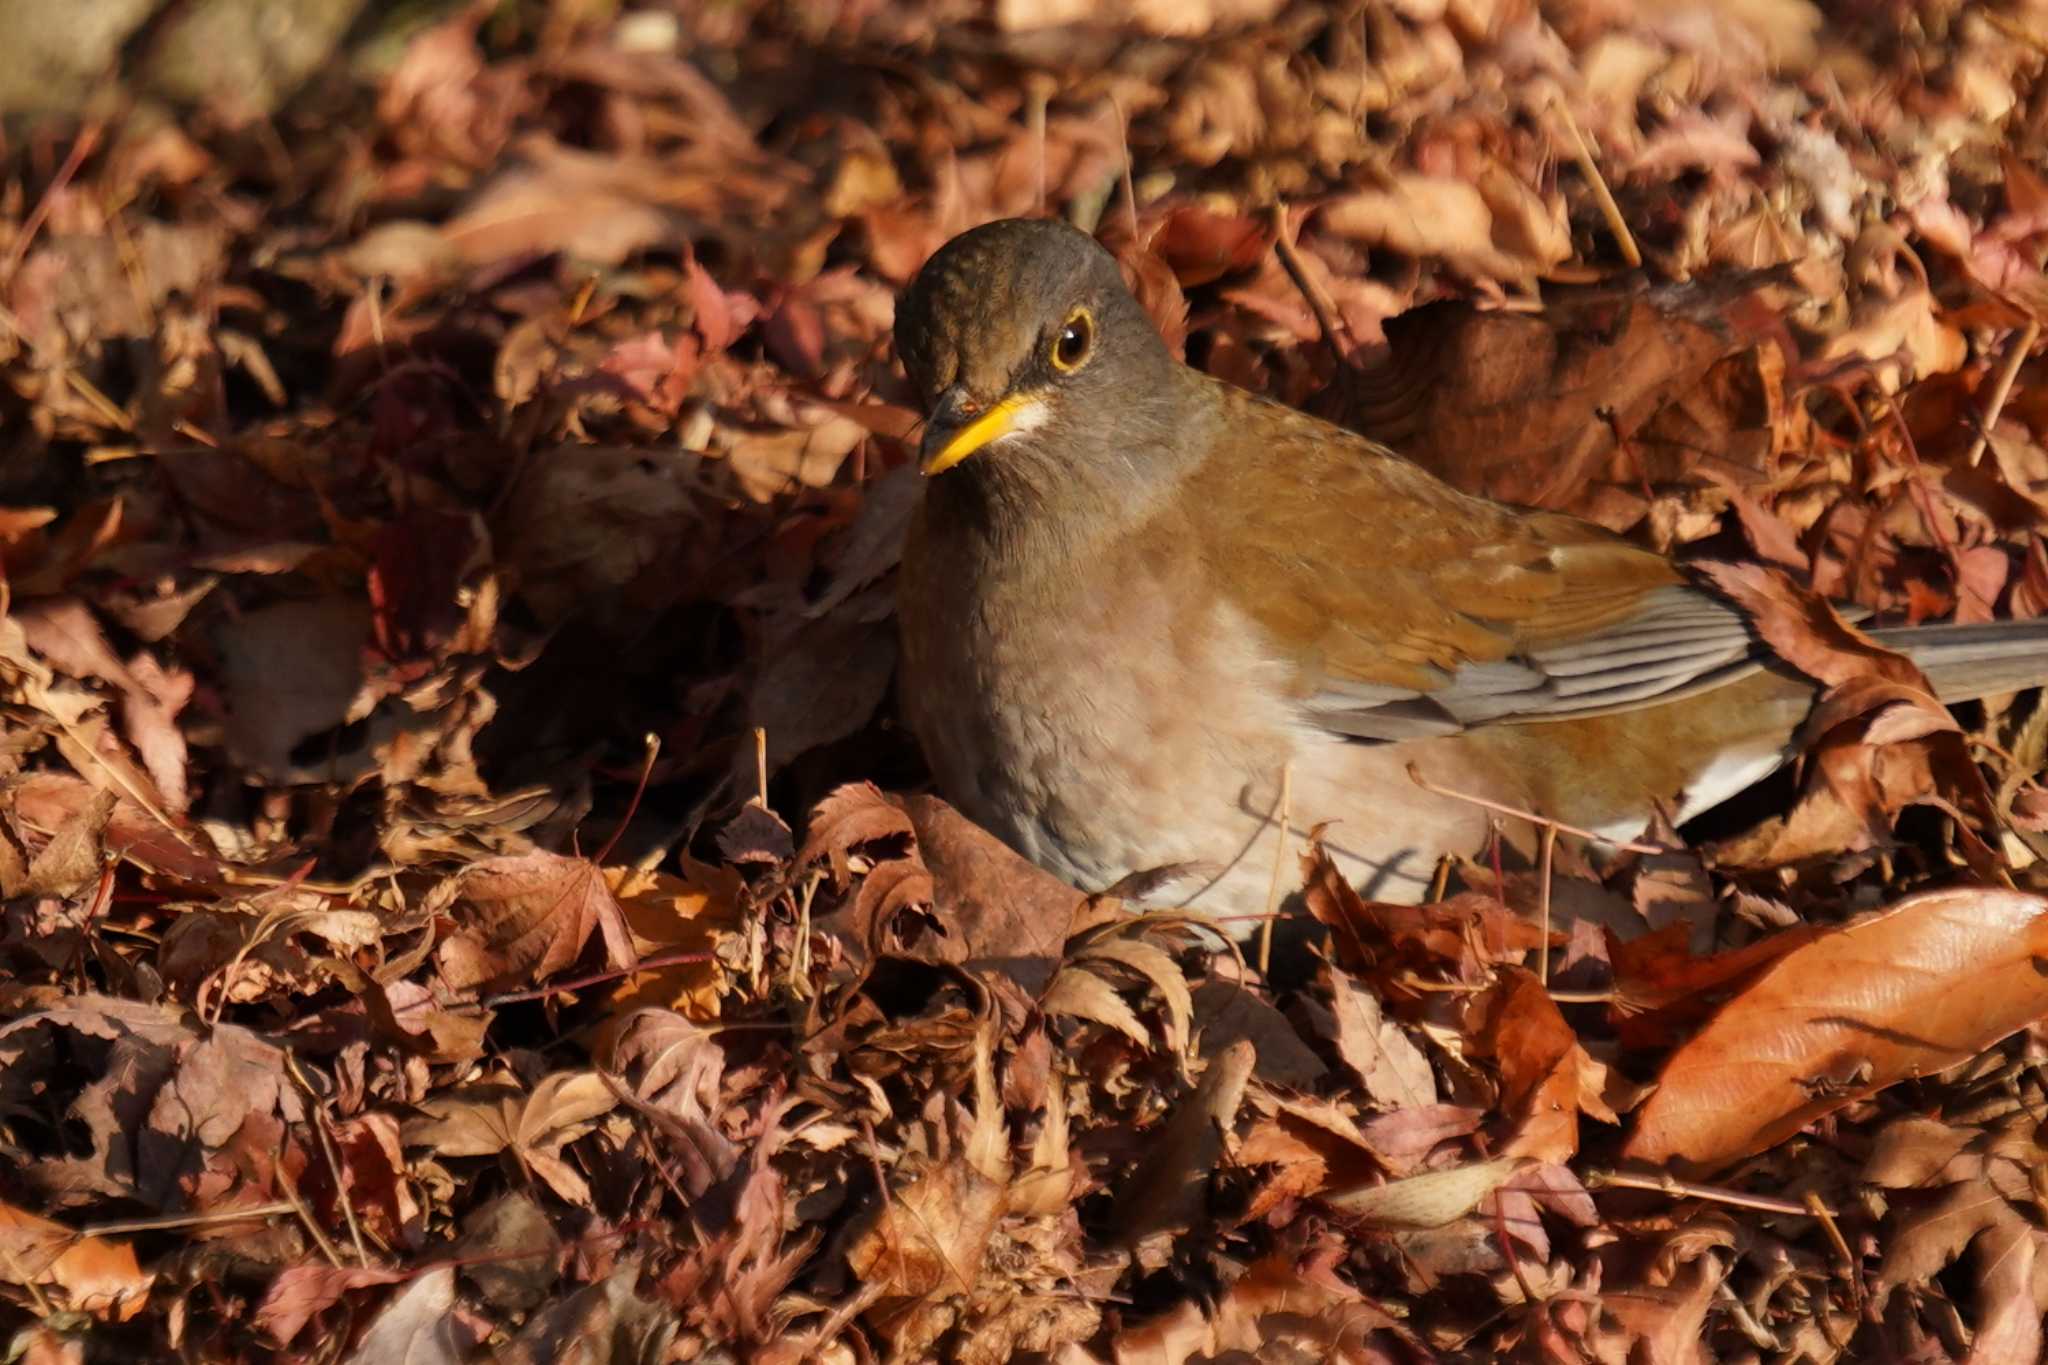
(1169, 750)
(1095, 787)
(1106, 741)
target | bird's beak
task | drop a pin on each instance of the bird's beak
(956, 428)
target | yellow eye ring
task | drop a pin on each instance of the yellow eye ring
(1074, 343)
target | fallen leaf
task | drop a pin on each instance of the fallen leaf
(1856, 1009)
(525, 917)
(534, 1128)
(90, 1274)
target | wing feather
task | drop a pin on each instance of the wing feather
(1426, 611)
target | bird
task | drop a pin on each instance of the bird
(1138, 605)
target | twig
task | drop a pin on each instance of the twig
(331, 1152)
(646, 964)
(1286, 810)
(109, 411)
(102, 897)
(800, 951)
(1123, 135)
(1841, 1245)
(26, 1278)
(1500, 877)
(1039, 98)
(1311, 292)
(81, 147)
(1543, 953)
(167, 1221)
(761, 766)
(1713, 1194)
(1922, 496)
(1625, 845)
(1441, 881)
(298, 1206)
(1507, 1251)
(1582, 152)
(653, 743)
(2002, 390)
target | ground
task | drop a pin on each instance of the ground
(468, 896)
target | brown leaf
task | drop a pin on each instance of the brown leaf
(1903, 992)
(1804, 630)
(1226, 1012)
(163, 1095)
(1528, 408)
(417, 1325)
(1167, 1191)
(527, 916)
(562, 199)
(820, 681)
(64, 632)
(1391, 1067)
(290, 672)
(602, 1322)
(667, 915)
(930, 1237)
(719, 316)
(1276, 1310)
(999, 911)
(672, 1070)
(90, 1274)
(485, 1120)
(1546, 1077)
(1425, 1201)
(585, 522)
(300, 1293)
(511, 1250)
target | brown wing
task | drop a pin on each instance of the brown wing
(1409, 608)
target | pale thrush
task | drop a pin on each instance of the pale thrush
(1133, 596)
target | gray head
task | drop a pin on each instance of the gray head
(1024, 343)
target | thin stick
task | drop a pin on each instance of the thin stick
(1917, 489)
(1039, 99)
(1279, 860)
(2002, 390)
(97, 401)
(800, 951)
(761, 766)
(1123, 134)
(1500, 878)
(26, 1278)
(331, 1152)
(1507, 1251)
(1841, 1245)
(646, 964)
(653, 743)
(1582, 152)
(185, 1220)
(81, 147)
(1311, 292)
(1543, 953)
(1713, 1194)
(1625, 845)
(102, 897)
(305, 1214)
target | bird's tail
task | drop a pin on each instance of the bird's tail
(1967, 662)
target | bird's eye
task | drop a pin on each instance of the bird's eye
(1070, 348)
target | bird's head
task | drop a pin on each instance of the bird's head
(1020, 335)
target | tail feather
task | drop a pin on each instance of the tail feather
(1968, 662)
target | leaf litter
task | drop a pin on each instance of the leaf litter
(457, 899)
